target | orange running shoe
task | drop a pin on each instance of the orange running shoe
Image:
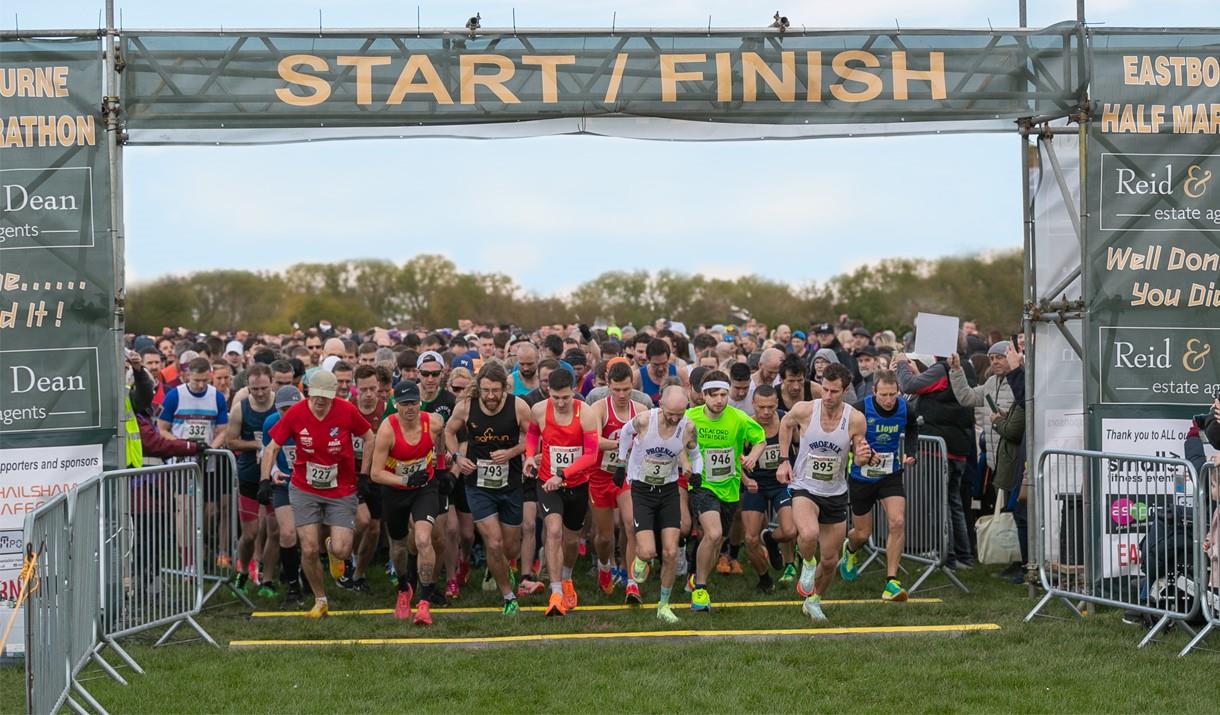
(423, 616)
(554, 607)
(605, 581)
(402, 607)
(722, 564)
(569, 595)
(735, 567)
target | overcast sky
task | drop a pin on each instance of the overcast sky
(794, 211)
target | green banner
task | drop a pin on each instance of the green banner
(256, 80)
(1152, 273)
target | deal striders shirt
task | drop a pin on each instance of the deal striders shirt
(325, 465)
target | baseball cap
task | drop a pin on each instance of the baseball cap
(429, 356)
(862, 333)
(463, 361)
(142, 342)
(999, 348)
(823, 328)
(323, 384)
(235, 346)
(868, 350)
(406, 391)
(287, 396)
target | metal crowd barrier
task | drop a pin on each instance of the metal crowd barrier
(118, 554)
(1118, 530)
(1207, 513)
(928, 539)
(220, 526)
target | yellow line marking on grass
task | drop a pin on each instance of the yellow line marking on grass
(532, 638)
(583, 609)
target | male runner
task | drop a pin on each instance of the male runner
(720, 431)
(368, 510)
(893, 436)
(525, 377)
(405, 463)
(656, 368)
(612, 412)
(497, 423)
(245, 439)
(459, 523)
(561, 446)
(650, 444)
(762, 545)
(323, 487)
(438, 401)
(281, 472)
(826, 431)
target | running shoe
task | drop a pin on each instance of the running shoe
(666, 615)
(489, 582)
(894, 591)
(605, 581)
(344, 582)
(619, 576)
(700, 600)
(267, 590)
(789, 574)
(722, 564)
(848, 570)
(336, 564)
(804, 585)
(765, 584)
(640, 570)
(681, 567)
(554, 606)
(293, 598)
(252, 569)
(402, 606)
(581, 548)
(463, 571)
(510, 608)
(451, 590)
(569, 595)
(222, 561)
(361, 585)
(812, 607)
(423, 615)
(320, 609)
(633, 597)
(690, 583)
(529, 586)
(241, 584)
(773, 553)
(735, 567)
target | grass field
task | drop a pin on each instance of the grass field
(1048, 666)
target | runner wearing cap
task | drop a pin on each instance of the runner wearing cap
(405, 463)
(323, 487)
(245, 439)
(275, 489)
(605, 494)
(720, 431)
(650, 445)
(234, 355)
(496, 423)
(368, 510)
(826, 430)
(560, 447)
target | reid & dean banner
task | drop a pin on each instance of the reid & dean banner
(59, 383)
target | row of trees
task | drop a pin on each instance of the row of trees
(429, 290)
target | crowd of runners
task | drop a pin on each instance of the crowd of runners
(671, 458)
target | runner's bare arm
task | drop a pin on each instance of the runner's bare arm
(856, 428)
(381, 453)
(269, 452)
(366, 458)
(232, 431)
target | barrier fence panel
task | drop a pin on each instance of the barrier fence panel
(48, 670)
(1207, 513)
(926, 518)
(85, 514)
(152, 552)
(220, 526)
(1119, 530)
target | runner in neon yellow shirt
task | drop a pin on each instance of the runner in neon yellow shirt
(720, 431)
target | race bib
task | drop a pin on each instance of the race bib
(883, 468)
(610, 461)
(413, 474)
(769, 461)
(290, 455)
(197, 430)
(322, 476)
(490, 475)
(719, 465)
(358, 446)
(656, 471)
(563, 457)
(821, 468)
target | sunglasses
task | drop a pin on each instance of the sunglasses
(429, 373)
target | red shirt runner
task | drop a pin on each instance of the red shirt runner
(325, 465)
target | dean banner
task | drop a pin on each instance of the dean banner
(247, 80)
(59, 383)
(1152, 279)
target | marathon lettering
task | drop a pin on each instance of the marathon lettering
(50, 130)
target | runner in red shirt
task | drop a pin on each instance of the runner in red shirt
(323, 487)
(612, 413)
(561, 446)
(405, 462)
